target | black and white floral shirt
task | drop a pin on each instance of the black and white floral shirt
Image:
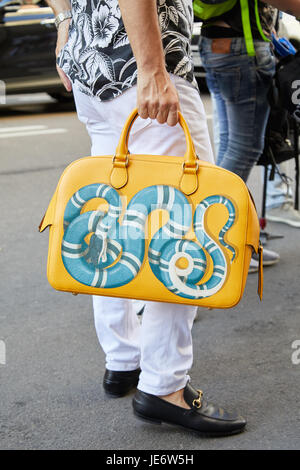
(98, 58)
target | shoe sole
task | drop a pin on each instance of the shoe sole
(118, 395)
(199, 433)
(281, 221)
(115, 395)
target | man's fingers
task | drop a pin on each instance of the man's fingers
(66, 82)
(162, 115)
(157, 97)
(164, 110)
(143, 110)
(153, 109)
(172, 118)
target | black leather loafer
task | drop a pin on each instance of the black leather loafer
(117, 384)
(203, 418)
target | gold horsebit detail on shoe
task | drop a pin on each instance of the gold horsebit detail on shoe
(197, 403)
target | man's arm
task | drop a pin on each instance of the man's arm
(292, 7)
(157, 97)
(58, 6)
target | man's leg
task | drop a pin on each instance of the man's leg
(117, 325)
(150, 137)
(166, 342)
(166, 346)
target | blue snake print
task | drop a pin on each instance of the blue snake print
(115, 252)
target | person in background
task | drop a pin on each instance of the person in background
(239, 85)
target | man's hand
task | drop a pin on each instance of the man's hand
(157, 96)
(58, 6)
(62, 38)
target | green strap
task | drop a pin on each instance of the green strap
(259, 23)
(197, 9)
(247, 27)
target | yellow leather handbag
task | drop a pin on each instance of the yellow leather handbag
(159, 228)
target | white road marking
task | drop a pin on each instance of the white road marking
(21, 128)
(31, 98)
(8, 135)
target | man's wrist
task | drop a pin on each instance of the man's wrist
(154, 67)
(63, 17)
(64, 25)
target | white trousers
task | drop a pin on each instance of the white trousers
(162, 344)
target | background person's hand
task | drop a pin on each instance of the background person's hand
(62, 38)
(157, 97)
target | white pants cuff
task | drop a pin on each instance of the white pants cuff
(162, 391)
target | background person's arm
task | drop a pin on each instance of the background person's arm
(157, 97)
(58, 6)
(292, 7)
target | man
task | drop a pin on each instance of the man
(110, 76)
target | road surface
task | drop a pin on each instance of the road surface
(51, 365)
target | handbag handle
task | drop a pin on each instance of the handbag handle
(119, 175)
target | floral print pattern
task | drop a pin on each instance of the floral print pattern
(98, 57)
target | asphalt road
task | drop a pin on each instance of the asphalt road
(50, 377)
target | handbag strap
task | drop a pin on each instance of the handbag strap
(119, 175)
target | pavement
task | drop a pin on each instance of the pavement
(51, 395)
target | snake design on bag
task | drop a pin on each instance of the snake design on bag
(115, 252)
